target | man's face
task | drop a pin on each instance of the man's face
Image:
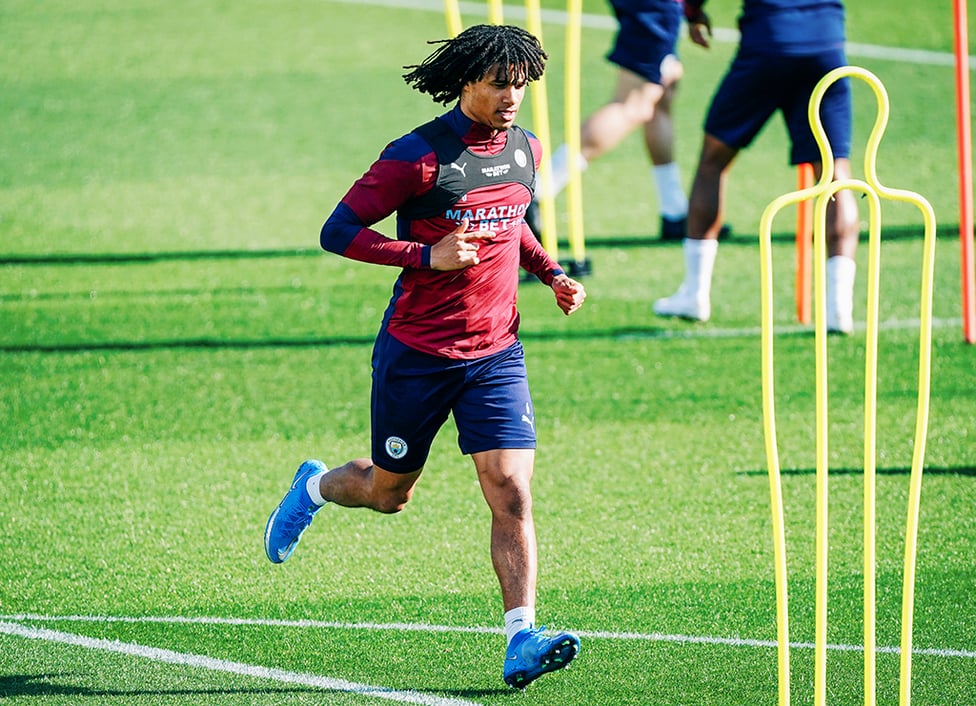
(494, 100)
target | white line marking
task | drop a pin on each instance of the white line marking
(721, 34)
(421, 627)
(220, 665)
(745, 642)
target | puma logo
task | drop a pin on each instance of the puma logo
(461, 168)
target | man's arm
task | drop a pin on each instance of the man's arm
(404, 170)
(534, 259)
(345, 233)
(699, 23)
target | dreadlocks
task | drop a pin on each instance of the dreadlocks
(515, 53)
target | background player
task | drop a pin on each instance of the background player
(645, 53)
(786, 47)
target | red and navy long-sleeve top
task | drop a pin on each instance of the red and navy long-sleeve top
(467, 313)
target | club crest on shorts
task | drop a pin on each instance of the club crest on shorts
(396, 447)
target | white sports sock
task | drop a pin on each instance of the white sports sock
(559, 169)
(699, 264)
(674, 202)
(312, 487)
(518, 619)
(841, 271)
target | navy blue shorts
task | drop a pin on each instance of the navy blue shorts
(757, 85)
(648, 33)
(413, 394)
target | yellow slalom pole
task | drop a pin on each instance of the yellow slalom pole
(574, 189)
(918, 454)
(772, 454)
(924, 377)
(823, 192)
(540, 116)
(924, 393)
(820, 344)
(870, 446)
(496, 14)
(871, 392)
(803, 195)
(452, 13)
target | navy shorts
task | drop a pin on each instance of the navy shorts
(757, 85)
(648, 34)
(413, 394)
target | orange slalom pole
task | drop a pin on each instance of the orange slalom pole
(965, 172)
(804, 236)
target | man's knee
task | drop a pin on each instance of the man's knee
(391, 502)
(391, 492)
(512, 496)
(390, 507)
(672, 70)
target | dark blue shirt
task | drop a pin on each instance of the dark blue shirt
(791, 27)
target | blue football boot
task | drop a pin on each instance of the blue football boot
(292, 516)
(531, 654)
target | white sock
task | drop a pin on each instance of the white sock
(699, 264)
(674, 202)
(559, 169)
(312, 487)
(840, 284)
(519, 619)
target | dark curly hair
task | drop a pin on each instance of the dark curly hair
(468, 57)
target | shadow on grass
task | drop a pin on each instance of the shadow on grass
(136, 258)
(200, 343)
(53, 685)
(888, 233)
(907, 232)
(646, 332)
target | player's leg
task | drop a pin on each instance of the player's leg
(842, 225)
(843, 231)
(741, 106)
(659, 130)
(659, 141)
(361, 483)
(358, 483)
(646, 36)
(496, 426)
(705, 203)
(693, 298)
(505, 476)
(411, 398)
(631, 106)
